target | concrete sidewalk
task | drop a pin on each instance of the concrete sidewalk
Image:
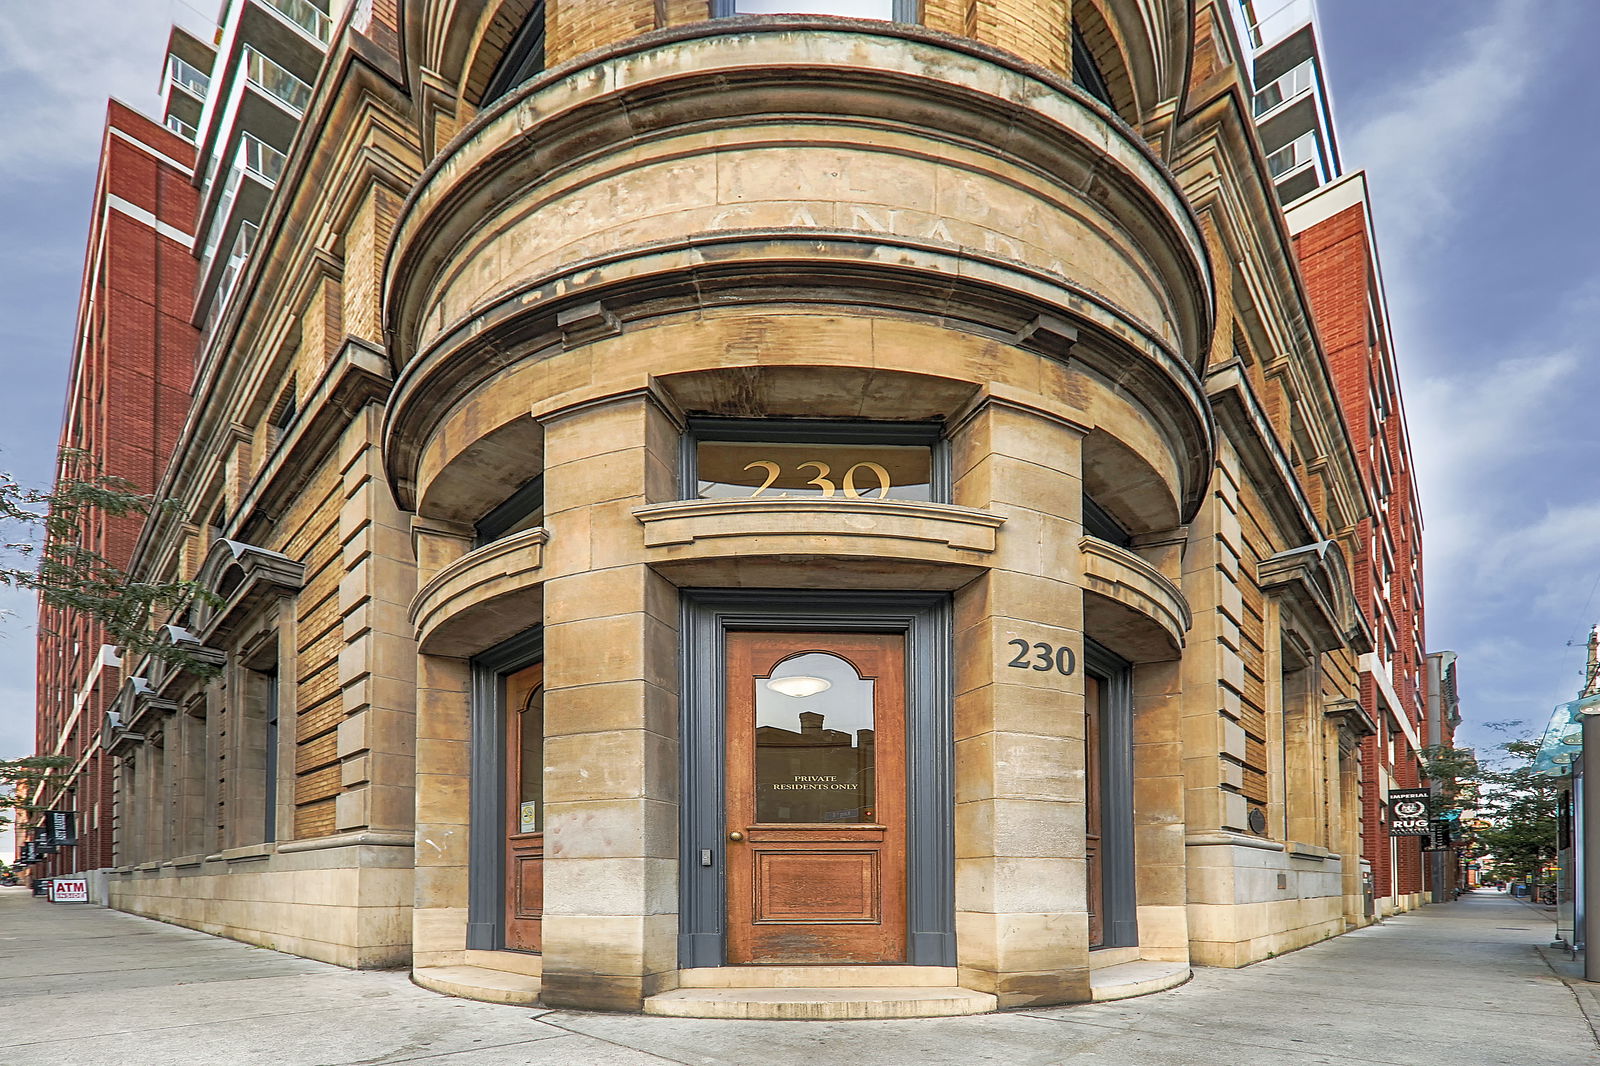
(1449, 985)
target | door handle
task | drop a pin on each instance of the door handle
(736, 836)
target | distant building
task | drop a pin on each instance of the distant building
(1446, 874)
(128, 393)
(1329, 214)
(1293, 108)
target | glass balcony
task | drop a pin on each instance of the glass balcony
(1293, 84)
(1298, 153)
(254, 157)
(188, 77)
(275, 81)
(259, 158)
(181, 128)
(308, 16)
(1270, 23)
(237, 257)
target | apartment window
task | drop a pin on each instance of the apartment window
(523, 59)
(283, 415)
(886, 10)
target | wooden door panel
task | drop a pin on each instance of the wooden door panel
(816, 799)
(816, 887)
(524, 810)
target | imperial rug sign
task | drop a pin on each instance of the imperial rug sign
(1408, 812)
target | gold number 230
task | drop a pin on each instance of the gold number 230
(822, 482)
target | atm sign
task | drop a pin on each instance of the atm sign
(69, 890)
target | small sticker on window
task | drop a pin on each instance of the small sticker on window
(528, 817)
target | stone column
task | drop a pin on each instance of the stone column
(193, 768)
(377, 664)
(1021, 893)
(444, 767)
(444, 770)
(611, 677)
(1213, 671)
(1159, 856)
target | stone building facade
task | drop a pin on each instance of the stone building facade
(700, 502)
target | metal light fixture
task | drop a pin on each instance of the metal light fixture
(799, 687)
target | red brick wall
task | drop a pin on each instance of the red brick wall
(128, 394)
(1336, 259)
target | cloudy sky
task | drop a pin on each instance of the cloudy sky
(1475, 119)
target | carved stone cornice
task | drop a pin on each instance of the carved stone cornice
(139, 708)
(1315, 578)
(1351, 718)
(245, 578)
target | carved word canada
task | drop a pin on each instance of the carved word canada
(816, 783)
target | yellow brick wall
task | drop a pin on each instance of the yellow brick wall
(573, 27)
(309, 532)
(1036, 30)
(366, 244)
(1257, 545)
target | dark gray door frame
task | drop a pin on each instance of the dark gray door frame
(924, 618)
(1118, 884)
(486, 792)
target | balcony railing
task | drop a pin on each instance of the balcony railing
(1298, 153)
(1293, 84)
(1270, 22)
(181, 128)
(187, 76)
(256, 158)
(306, 15)
(237, 257)
(260, 158)
(275, 81)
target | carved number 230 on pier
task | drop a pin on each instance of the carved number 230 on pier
(1042, 657)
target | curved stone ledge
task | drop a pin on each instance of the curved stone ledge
(892, 531)
(1127, 581)
(503, 579)
(970, 113)
(874, 170)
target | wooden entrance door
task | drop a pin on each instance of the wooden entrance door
(816, 851)
(1092, 829)
(524, 807)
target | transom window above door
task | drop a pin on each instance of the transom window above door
(795, 459)
(888, 10)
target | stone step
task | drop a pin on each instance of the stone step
(478, 982)
(1135, 979)
(843, 976)
(820, 1004)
